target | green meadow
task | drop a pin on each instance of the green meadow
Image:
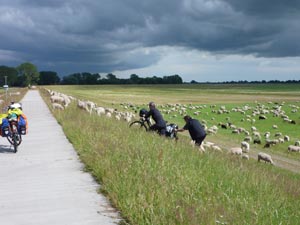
(153, 180)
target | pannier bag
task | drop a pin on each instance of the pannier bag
(22, 124)
(170, 129)
(4, 127)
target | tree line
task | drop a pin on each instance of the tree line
(27, 74)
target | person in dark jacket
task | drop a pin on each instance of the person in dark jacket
(195, 129)
(160, 123)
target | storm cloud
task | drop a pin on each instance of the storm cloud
(102, 36)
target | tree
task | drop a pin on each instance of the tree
(11, 74)
(29, 73)
(48, 78)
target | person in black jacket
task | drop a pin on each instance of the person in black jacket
(160, 123)
(195, 129)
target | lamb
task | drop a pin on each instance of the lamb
(245, 146)
(57, 106)
(293, 148)
(297, 143)
(265, 157)
(236, 151)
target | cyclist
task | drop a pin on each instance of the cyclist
(195, 129)
(160, 123)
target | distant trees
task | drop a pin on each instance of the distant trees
(10, 73)
(88, 78)
(28, 74)
(48, 78)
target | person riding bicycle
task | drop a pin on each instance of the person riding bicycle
(160, 123)
(195, 129)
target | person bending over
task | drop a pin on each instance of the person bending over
(195, 129)
(160, 123)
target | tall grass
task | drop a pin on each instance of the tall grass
(153, 180)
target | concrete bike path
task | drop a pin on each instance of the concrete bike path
(43, 183)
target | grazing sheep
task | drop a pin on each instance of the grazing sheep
(108, 114)
(248, 139)
(286, 138)
(267, 135)
(265, 157)
(278, 134)
(275, 127)
(297, 143)
(245, 146)
(236, 151)
(262, 117)
(57, 106)
(257, 141)
(55, 98)
(293, 148)
(99, 111)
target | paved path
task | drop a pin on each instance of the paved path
(43, 183)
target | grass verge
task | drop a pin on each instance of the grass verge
(153, 180)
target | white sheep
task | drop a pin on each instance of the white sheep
(293, 148)
(236, 151)
(99, 111)
(57, 106)
(245, 146)
(56, 98)
(297, 143)
(265, 157)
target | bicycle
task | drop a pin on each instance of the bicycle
(12, 134)
(145, 123)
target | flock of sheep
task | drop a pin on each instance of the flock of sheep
(61, 101)
(250, 115)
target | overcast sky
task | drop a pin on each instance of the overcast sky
(204, 40)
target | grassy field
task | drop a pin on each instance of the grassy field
(230, 96)
(13, 94)
(195, 94)
(153, 180)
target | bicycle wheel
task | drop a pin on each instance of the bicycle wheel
(15, 139)
(138, 124)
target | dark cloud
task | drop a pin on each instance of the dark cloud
(105, 35)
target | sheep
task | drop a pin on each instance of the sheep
(236, 151)
(293, 148)
(297, 143)
(262, 117)
(245, 146)
(267, 135)
(265, 157)
(248, 139)
(286, 138)
(278, 134)
(257, 141)
(56, 98)
(57, 106)
(99, 110)
(275, 126)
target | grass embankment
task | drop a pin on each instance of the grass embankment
(152, 180)
(13, 94)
